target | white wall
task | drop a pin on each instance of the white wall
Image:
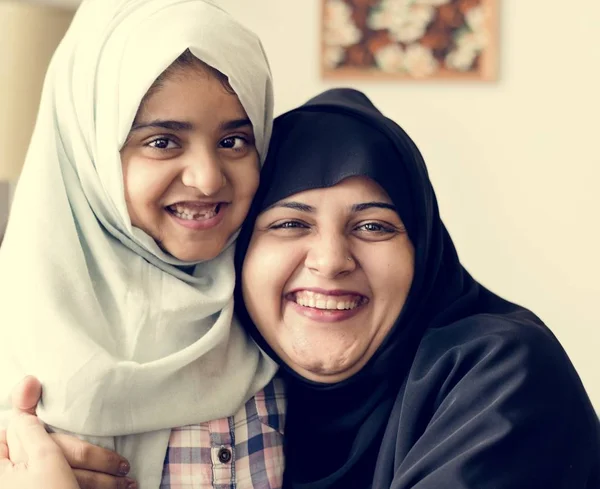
(515, 164)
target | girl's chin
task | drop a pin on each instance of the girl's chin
(191, 253)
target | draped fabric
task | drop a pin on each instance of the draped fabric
(467, 391)
(126, 344)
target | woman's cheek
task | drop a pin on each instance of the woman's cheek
(268, 270)
(274, 270)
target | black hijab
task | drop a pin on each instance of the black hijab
(467, 390)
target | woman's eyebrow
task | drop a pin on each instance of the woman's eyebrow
(369, 205)
(162, 124)
(298, 206)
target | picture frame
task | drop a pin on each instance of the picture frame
(410, 39)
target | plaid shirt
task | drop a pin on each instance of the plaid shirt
(244, 451)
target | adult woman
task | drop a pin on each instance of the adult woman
(401, 370)
(116, 272)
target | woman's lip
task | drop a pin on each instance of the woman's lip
(201, 225)
(325, 315)
(316, 290)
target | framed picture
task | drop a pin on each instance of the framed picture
(410, 39)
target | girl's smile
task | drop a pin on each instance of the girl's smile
(190, 165)
(198, 215)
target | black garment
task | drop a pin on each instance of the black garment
(468, 391)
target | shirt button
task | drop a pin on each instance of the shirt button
(224, 455)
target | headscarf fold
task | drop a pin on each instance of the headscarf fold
(467, 391)
(126, 344)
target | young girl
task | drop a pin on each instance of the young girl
(116, 272)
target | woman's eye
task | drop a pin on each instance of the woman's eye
(375, 227)
(235, 143)
(289, 225)
(162, 143)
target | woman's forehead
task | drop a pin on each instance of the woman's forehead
(351, 190)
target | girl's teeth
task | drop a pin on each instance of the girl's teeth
(188, 214)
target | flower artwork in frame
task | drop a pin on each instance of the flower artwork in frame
(410, 39)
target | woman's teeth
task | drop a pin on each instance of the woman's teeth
(194, 213)
(327, 302)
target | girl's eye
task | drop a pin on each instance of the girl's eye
(236, 143)
(163, 143)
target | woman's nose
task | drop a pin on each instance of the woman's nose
(204, 172)
(330, 256)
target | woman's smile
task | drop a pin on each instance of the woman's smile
(326, 276)
(326, 306)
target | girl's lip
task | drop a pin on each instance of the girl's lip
(198, 203)
(201, 225)
(326, 315)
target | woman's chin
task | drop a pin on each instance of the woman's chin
(329, 367)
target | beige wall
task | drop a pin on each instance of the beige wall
(516, 164)
(28, 37)
(72, 4)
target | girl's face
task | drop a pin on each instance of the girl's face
(190, 165)
(326, 275)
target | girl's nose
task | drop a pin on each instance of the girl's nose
(204, 172)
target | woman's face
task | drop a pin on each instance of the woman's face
(190, 165)
(326, 275)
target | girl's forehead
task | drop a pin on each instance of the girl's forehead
(192, 97)
(187, 66)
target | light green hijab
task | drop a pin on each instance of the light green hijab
(126, 345)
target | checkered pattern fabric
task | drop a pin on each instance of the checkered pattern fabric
(244, 451)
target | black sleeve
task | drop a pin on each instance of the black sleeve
(492, 406)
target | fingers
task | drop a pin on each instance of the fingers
(36, 443)
(46, 463)
(26, 395)
(5, 463)
(95, 480)
(83, 455)
(3, 447)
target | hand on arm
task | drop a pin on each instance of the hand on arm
(92, 467)
(46, 466)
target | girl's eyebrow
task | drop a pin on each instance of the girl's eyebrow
(298, 206)
(188, 126)
(169, 125)
(235, 124)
